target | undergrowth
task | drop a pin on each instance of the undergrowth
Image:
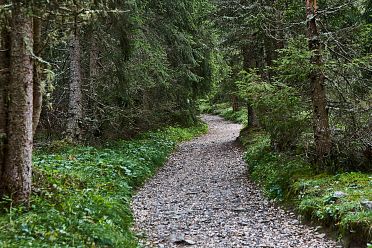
(81, 195)
(226, 111)
(334, 200)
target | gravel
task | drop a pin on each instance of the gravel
(203, 197)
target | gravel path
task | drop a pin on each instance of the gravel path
(202, 197)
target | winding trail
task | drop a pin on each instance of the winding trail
(202, 197)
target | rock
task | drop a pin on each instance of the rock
(366, 204)
(177, 237)
(239, 209)
(321, 235)
(339, 194)
(189, 242)
(180, 240)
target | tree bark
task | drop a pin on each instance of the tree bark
(252, 117)
(250, 62)
(235, 103)
(322, 134)
(17, 169)
(146, 100)
(4, 82)
(75, 95)
(93, 63)
(93, 74)
(37, 87)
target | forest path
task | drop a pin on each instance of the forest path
(202, 197)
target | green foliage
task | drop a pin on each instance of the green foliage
(205, 107)
(279, 108)
(81, 195)
(224, 110)
(317, 201)
(155, 59)
(293, 66)
(291, 179)
(239, 116)
(275, 172)
(268, 40)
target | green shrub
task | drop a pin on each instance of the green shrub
(280, 110)
(290, 178)
(205, 107)
(226, 111)
(81, 195)
(274, 171)
(317, 201)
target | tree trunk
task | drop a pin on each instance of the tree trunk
(250, 62)
(75, 96)
(322, 136)
(146, 100)
(93, 64)
(4, 82)
(235, 103)
(37, 87)
(93, 75)
(17, 169)
(252, 117)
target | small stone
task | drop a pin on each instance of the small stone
(189, 242)
(321, 235)
(239, 209)
(366, 204)
(339, 194)
(176, 238)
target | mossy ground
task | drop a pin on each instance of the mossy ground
(81, 194)
(291, 179)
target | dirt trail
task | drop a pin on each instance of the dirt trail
(202, 197)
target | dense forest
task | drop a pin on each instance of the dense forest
(300, 72)
(86, 86)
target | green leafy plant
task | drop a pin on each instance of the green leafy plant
(340, 200)
(280, 110)
(81, 194)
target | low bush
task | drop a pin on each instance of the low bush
(226, 111)
(279, 108)
(81, 195)
(341, 201)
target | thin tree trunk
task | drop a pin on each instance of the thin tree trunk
(235, 103)
(322, 136)
(250, 62)
(93, 74)
(252, 117)
(93, 63)
(37, 87)
(18, 167)
(146, 100)
(75, 99)
(4, 82)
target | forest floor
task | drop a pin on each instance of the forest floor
(204, 197)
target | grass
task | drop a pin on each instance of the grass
(317, 201)
(81, 195)
(291, 179)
